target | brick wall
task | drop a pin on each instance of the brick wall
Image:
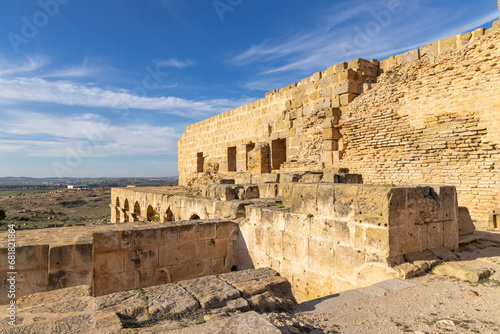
(436, 121)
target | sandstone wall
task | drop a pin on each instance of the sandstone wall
(32, 271)
(434, 121)
(127, 260)
(45, 267)
(432, 118)
(339, 237)
(291, 129)
(121, 257)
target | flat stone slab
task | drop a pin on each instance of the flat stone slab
(465, 239)
(170, 298)
(249, 323)
(44, 298)
(160, 308)
(248, 275)
(465, 271)
(210, 291)
(245, 323)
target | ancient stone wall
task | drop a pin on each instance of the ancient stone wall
(293, 129)
(324, 237)
(432, 118)
(339, 237)
(120, 258)
(131, 259)
(436, 121)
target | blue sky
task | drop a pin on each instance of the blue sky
(105, 88)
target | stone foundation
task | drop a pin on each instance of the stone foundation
(323, 237)
(121, 257)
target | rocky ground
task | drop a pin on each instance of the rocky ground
(458, 296)
(461, 296)
(57, 209)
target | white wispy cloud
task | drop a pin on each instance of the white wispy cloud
(174, 62)
(80, 71)
(91, 135)
(31, 64)
(369, 35)
(72, 94)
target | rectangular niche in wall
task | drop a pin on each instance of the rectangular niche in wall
(249, 148)
(200, 161)
(231, 159)
(278, 153)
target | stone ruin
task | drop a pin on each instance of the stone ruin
(347, 177)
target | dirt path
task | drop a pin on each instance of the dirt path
(431, 303)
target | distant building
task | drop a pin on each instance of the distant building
(82, 187)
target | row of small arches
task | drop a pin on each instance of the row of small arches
(150, 212)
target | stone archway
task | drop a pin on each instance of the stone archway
(126, 209)
(137, 210)
(151, 214)
(169, 215)
(194, 216)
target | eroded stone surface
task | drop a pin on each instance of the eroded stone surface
(465, 271)
(210, 291)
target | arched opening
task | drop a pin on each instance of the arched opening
(169, 215)
(126, 208)
(194, 216)
(137, 209)
(151, 214)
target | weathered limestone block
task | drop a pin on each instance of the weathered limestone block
(389, 63)
(290, 178)
(325, 200)
(304, 198)
(243, 179)
(345, 201)
(347, 87)
(348, 74)
(448, 44)
(287, 193)
(44, 298)
(331, 134)
(269, 190)
(270, 178)
(257, 178)
(466, 271)
(347, 98)
(225, 193)
(248, 192)
(444, 254)
(32, 271)
(332, 158)
(465, 225)
(210, 291)
(410, 57)
(312, 177)
(426, 255)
